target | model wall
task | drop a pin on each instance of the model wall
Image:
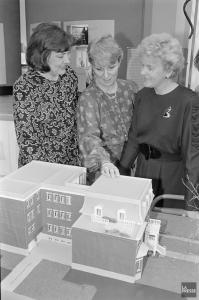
(59, 211)
(102, 251)
(20, 221)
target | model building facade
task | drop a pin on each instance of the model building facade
(106, 221)
(39, 198)
(108, 236)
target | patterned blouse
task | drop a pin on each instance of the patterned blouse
(45, 118)
(103, 123)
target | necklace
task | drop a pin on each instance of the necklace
(111, 96)
(110, 92)
(118, 111)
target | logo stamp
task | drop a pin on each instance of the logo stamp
(188, 289)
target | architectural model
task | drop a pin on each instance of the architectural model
(40, 198)
(108, 223)
(108, 238)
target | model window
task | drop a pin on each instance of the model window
(55, 213)
(56, 198)
(29, 230)
(62, 214)
(139, 265)
(68, 231)
(68, 216)
(55, 229)
(32, 214)
(49, 212)
(49, 196)
(62, 199)
(98, 211)
(50, 227)
(28, 204)
(29, 217)
(68, 200)
(82, 179)
(121, 215)
(31, 201)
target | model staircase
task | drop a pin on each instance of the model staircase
(180, 236)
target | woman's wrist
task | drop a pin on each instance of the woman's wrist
(105, 162)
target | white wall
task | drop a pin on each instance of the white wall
(167, 16)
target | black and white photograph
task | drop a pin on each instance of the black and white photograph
(99, 149)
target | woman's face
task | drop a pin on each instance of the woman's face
(105, 74)
(58, 61)
(153, 72)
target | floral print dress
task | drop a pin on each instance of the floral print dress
(45, 118)
(103, 122)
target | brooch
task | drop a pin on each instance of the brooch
(167, 113)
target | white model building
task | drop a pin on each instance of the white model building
(42, 198)
(151, 237)
(108, 220)
(108, 238)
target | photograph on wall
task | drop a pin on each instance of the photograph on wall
(79, 33)
(92, 30)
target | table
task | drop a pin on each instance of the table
(45, 274)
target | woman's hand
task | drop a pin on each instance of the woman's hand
(110, 170)
(194, 214)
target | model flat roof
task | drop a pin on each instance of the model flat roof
(15, 189)
(121, 187)
(25, 181)
(39, 171)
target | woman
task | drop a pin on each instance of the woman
(161, 135)
(46, 99)
(105, 109)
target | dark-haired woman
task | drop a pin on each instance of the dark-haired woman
(46, 99)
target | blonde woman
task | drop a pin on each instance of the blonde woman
(164, 132)
(105, 109)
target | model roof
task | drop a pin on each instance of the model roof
(18, 190)
(28, 179)
(114, 194)
(39, 171)
(132, 188)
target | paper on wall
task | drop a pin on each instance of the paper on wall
(134, 67)
(2, 56)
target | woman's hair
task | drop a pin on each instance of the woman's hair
(105, 50)
(165, 47)
(196, 61)
(46, 37)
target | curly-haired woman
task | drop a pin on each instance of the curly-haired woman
(46, 99)
(164, 133)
